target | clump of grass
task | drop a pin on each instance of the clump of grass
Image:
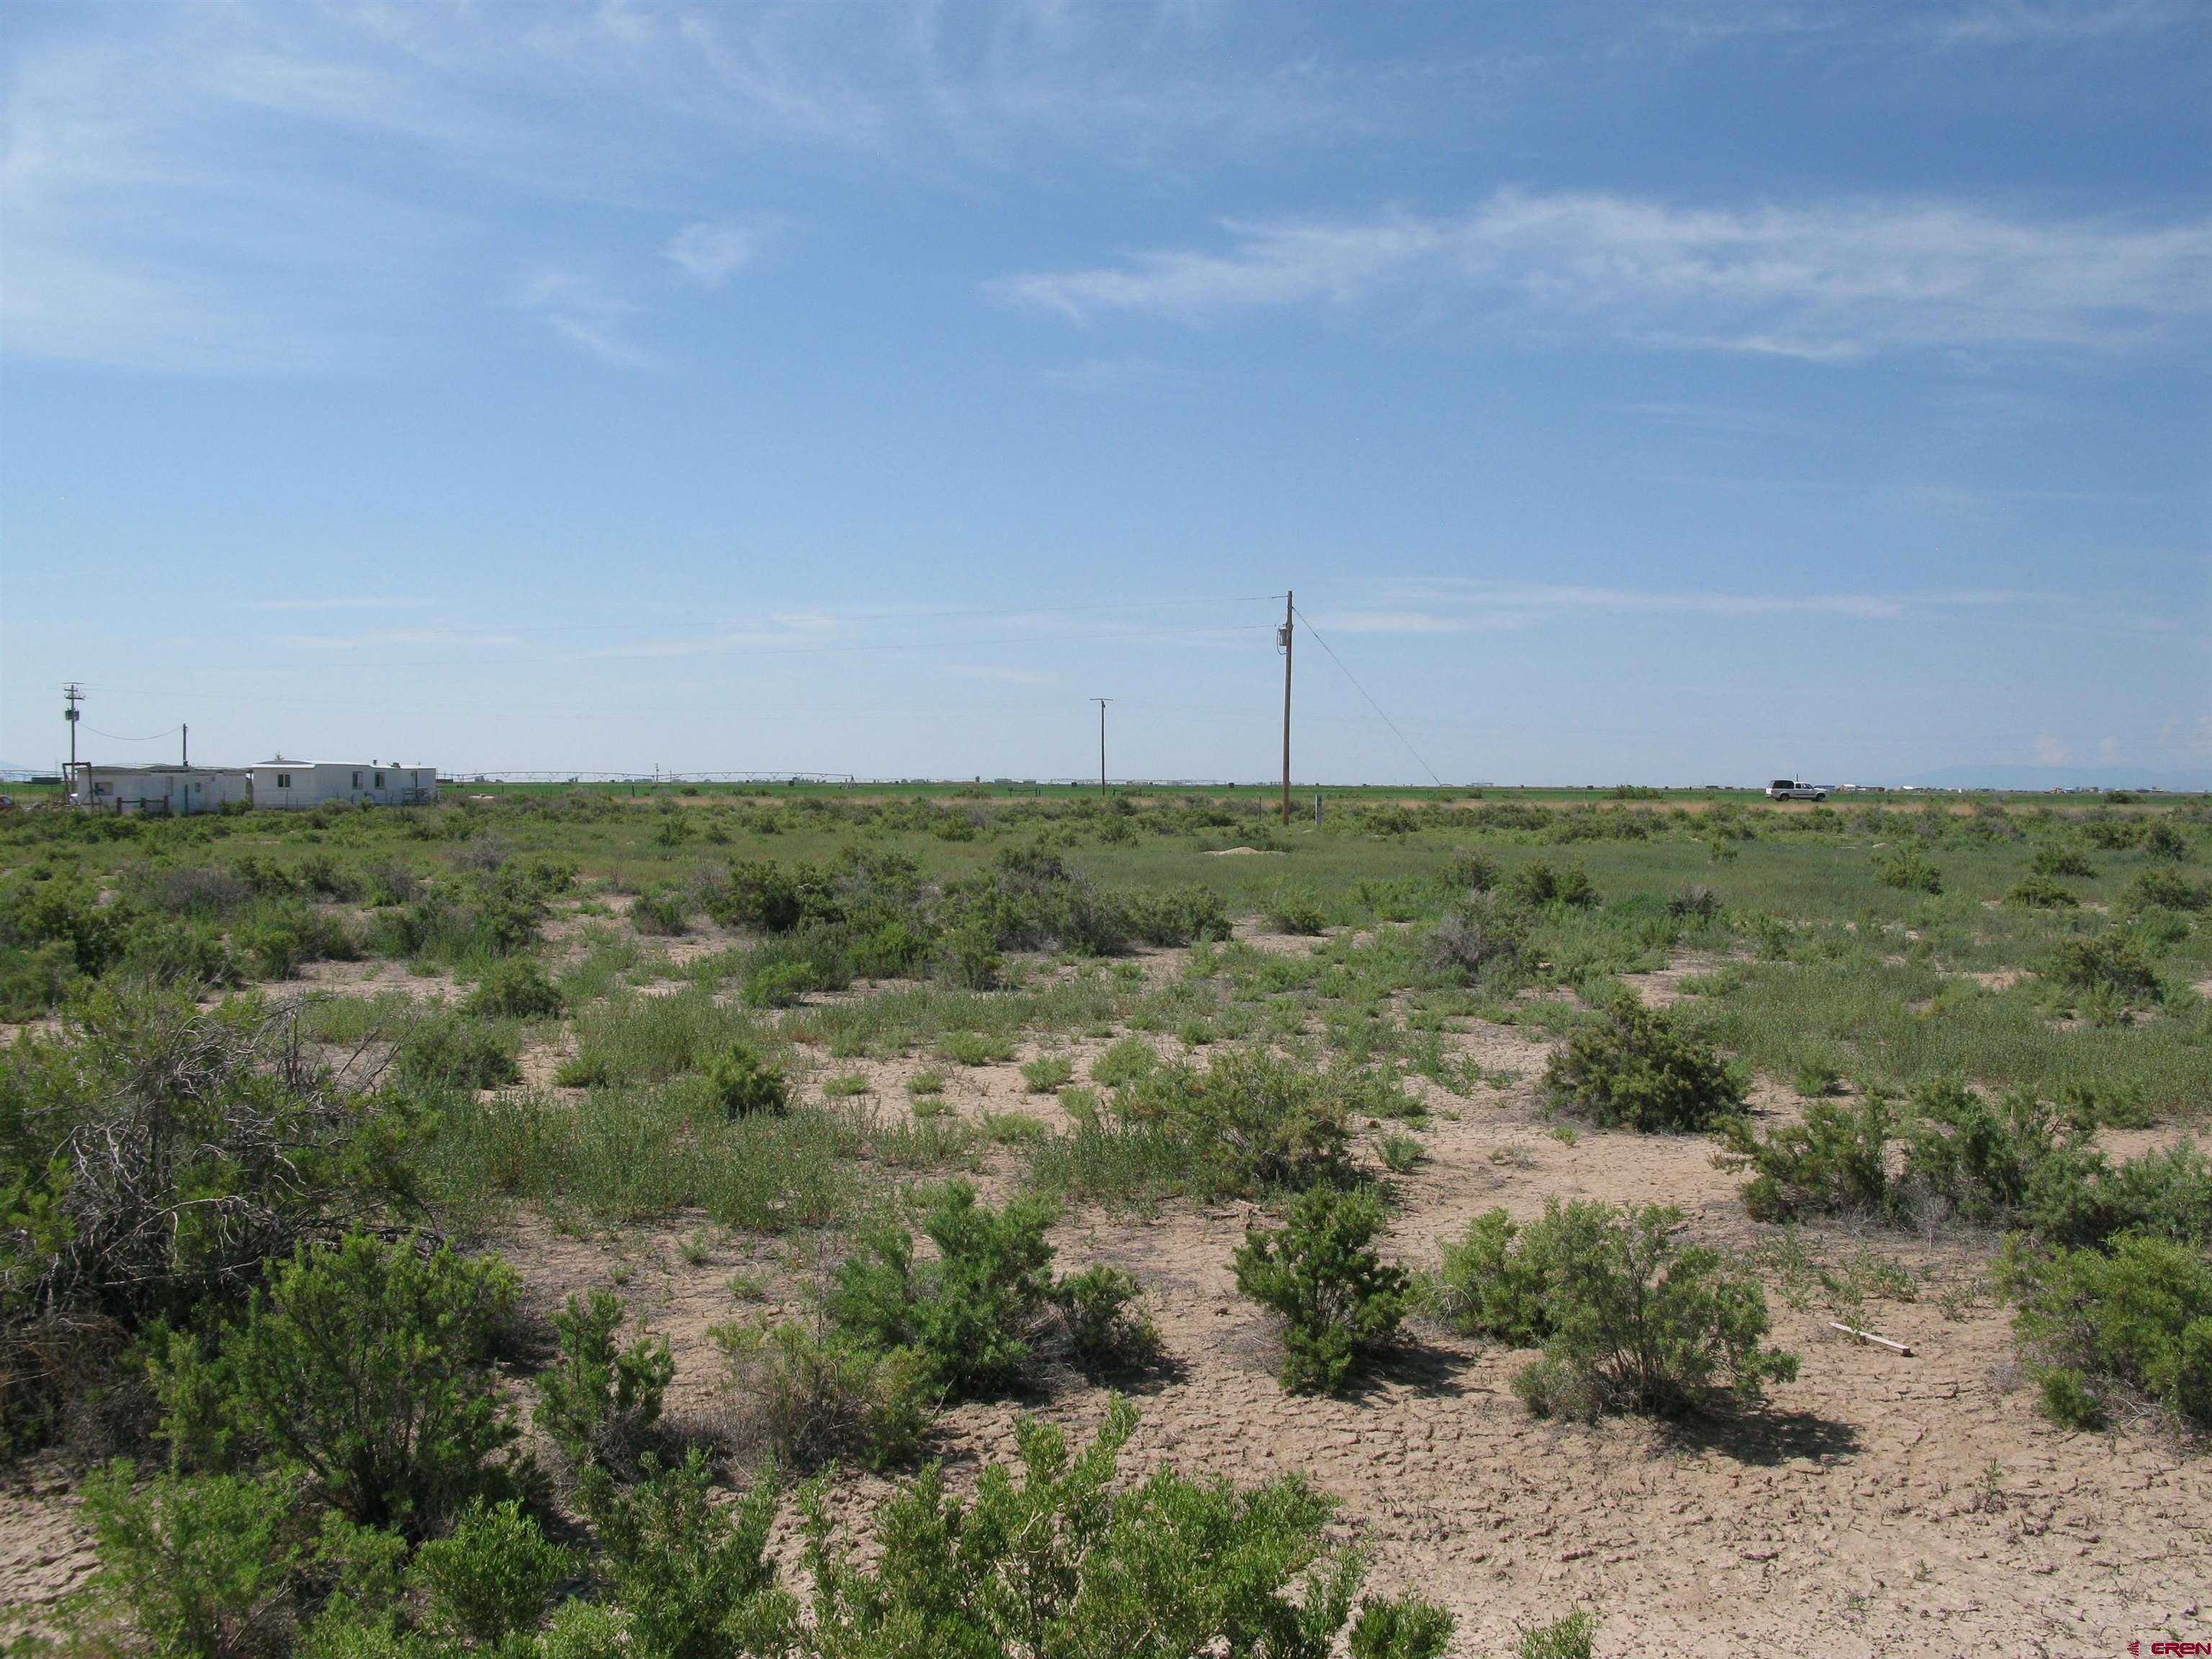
(1400, 1151)
(1130, 1060)
(976, 1047)
(925, 1083)
(1047, 1074)
(844, 1085)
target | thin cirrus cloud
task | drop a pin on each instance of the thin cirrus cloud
(587, 314)
(1458, 606)
(1827, 282)
(710, 254)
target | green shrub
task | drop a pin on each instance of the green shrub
(776, 984)
(1639, 1067)
(362, 1365)
(1540, 886)
(970, 959)
(2162, 840)
(1103, 1314)
(1628, 1320)
(514, 988)
(1477, 935)
(1400, 1629)
(198, 1565)
(2104, 1327)
(972, 1313)
(1832, 1162)
(693, 1575)
(1178, 915)
(1129, 1061)
(1293, 909)
(1340, 1302)
(2041, 893)
(1065, 1559)
(818, 1398)
(768, 899)
(447, 1051)
(743, 1084)
(1469, 873)
(1573, 1636)
(975, 1049)
(1905, 867)
(1695, 902)
(282, 937)
(600, 1400)
(2108, 963)
(2165, 890)
(152, 1160)
(664, 910)
(491, 1578)
(2051, 862)
(163, 952)
(1047, 1074)
(1250, 1123)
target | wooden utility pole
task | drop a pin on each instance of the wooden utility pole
(1288, 612)
(1102, 703)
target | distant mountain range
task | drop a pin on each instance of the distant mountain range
(2062, 777)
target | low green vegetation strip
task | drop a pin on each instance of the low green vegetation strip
(242, 1222)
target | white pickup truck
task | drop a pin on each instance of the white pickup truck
(1787, 789)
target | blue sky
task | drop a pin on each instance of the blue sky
(1652, 391)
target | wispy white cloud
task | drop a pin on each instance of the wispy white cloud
(710, 254)
(1826, 282)
(585, 313)
(365, 602)
(997, 674)
(1478, 603)
(395, 636)
(781, 631)
(1392, 622)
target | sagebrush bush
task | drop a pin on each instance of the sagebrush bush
(744, 1084)
(152, 1161)
(2109, 1327)
(2053, 861)
(1477, 935)
(1101, 1310)
(1628, 1319)
(1467, 872)
(975, 1312)
(599, 1399)
(451, 1051)
(1906, 867)
(1249, 1123)
(692, 1574)
(1833, 1161)
(2165, 890)
(1293, 909)
(197, 1565)
(514, 988)
(490, 1579)
(2041, 893)
(1695, 902)
(1640, 1068)
(813, 1399)
(2108, 963)
(363, 1366)
(1539, 885)
(1340, 1302)
(1066, 1559)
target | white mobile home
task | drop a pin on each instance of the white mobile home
(285, 783)
(159, 790)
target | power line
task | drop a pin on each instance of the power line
(1372, 703)
(116, 737)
